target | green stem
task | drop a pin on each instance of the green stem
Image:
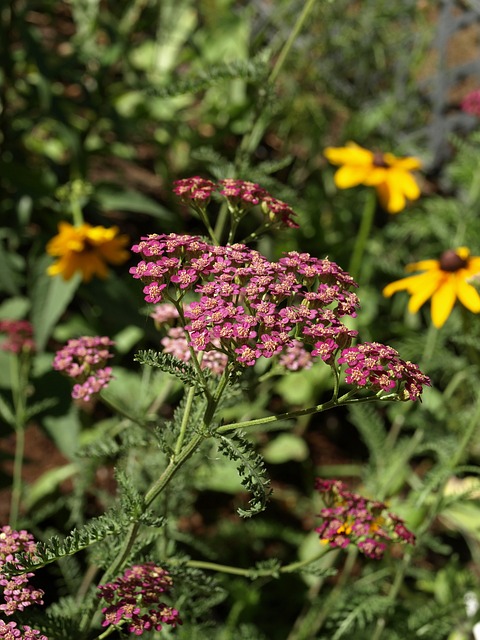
(111, 572)
(206, 222)
(354, 267)
(394, 591)
(256, 573)
(172, 468)
(77, 213)
(185, 419)
(429, 347)
(179, 458)
(251, 141)
(111, 629)
(308, 6)
(453, 462)
(221, 220)
(19, 381)
(309, 625)
(347, 398)
(17, 475)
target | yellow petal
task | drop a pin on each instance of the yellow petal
(376, 176)
(423, 265)
(473, 267)
(467, 294)
(391, 199)
(350, 154)
(350, 176)
(409, 186)
(64, 267)
(398, 285)
(410, 284)
(443, 301)
(425, 287)
(407, 164)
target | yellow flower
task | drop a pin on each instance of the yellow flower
(86, 249)
(444, 281)
(391, 176)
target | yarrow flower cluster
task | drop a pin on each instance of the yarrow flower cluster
(379, 367)
(176, 342)
(84, 360)
(10, 631)
(18, 593)
(133, 599)
(349, 518)
(249, 307)
(471, 103)
(18, 336)
(241, 196)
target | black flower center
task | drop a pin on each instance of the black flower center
(451, 261)
(379, 160)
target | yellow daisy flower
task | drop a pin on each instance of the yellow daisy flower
(391, 176)
(444, 281)
(86, 249)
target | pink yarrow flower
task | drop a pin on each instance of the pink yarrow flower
(17, 592)
(241, 197)
(349, 518)
(471, 103)
(196, 189)
(84, 360)
(248, 308)
(134, 600)
(11, 631)
(18, 336)
(379, 367)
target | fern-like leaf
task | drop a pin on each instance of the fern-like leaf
(253, 70)
(168, 363)
(109, 524)
(251, 469)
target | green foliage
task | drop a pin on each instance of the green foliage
(102, 107)
(251, 469)
(169, 364)
(97, 529)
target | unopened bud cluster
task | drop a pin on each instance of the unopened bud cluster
(241, 196)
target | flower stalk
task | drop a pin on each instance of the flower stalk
(354, 268)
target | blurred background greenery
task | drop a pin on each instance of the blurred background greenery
(104, 105)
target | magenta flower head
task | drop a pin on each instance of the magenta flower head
(16, 591)
(471, 103)
(83, 360)
(379, 367)
(10, 631)
(246, 307)
(349, 518)
(18, 336)
(134, 600)
(241, 196)
(195, 190)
